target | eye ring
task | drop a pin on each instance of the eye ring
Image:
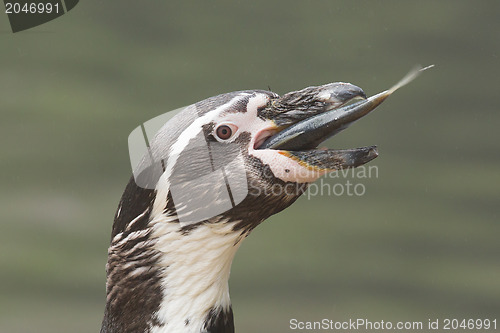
(225, 131)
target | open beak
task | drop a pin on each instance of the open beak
(341, 108)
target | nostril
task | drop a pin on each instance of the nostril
(348, 91)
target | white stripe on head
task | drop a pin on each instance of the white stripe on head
(179, 145)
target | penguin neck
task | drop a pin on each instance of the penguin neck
(194, 269)
(163, 276)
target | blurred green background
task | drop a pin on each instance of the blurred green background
(423, 242)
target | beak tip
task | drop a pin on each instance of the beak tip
(371, 154)
(363, 155)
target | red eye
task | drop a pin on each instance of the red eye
(224, 132)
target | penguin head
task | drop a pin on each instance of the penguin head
(243, 156)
